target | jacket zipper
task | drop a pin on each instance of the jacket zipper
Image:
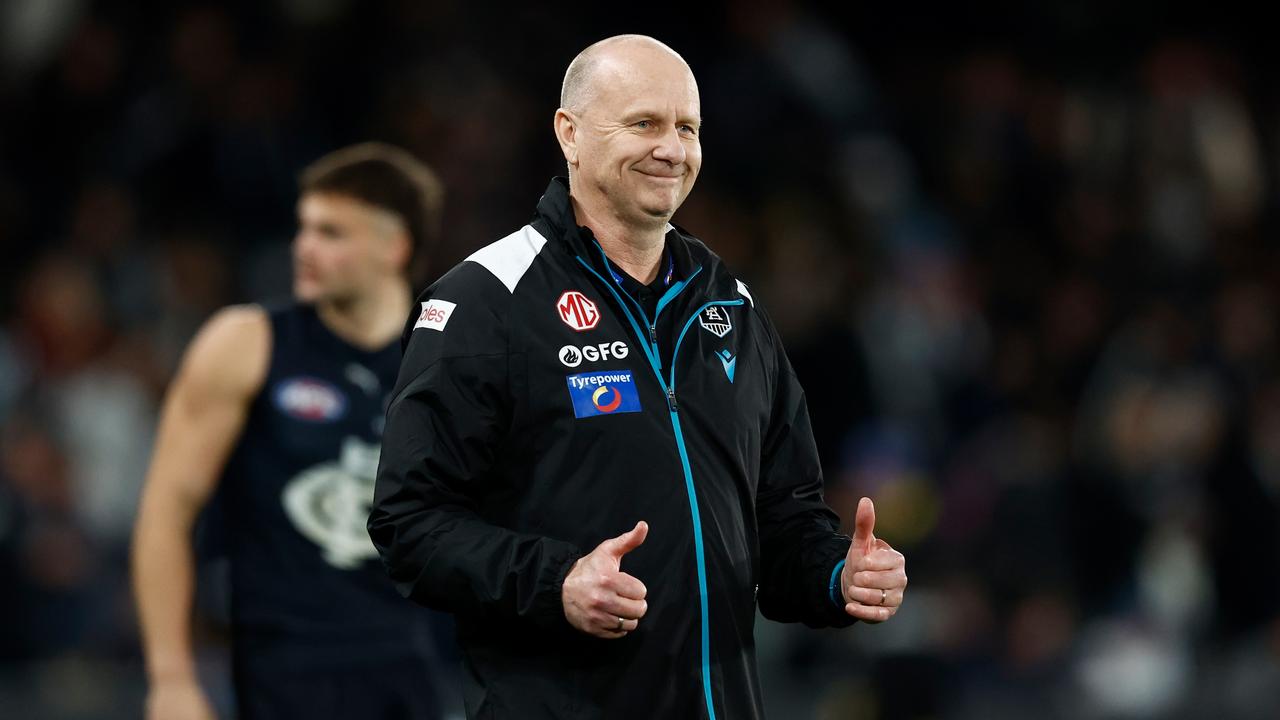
(655, 362)
(699, 552)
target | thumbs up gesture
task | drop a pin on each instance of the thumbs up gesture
(599, 599)
(874, 576)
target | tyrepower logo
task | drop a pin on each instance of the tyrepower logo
(572, 355)
(603, 393)
(577, 311)
(435, 314)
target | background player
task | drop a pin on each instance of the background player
(281, 410)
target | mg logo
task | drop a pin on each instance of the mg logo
(577, 311)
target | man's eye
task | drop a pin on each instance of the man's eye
(689, 129)
(644, 124)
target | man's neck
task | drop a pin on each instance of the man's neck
(369, 321)
(637, 251)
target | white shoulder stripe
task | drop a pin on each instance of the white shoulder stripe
(742, 290)
(509, 258)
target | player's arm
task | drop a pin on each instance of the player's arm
(203, 415)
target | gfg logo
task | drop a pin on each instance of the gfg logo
(572, 355)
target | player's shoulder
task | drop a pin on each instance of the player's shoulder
(235, 326)
(244, 318)
(231, 351)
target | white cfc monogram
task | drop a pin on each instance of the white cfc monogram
(329, 504)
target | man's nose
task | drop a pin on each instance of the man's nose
(301, 246)
(670, 148)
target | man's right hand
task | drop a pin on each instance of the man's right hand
(601, 600)
(178, 700)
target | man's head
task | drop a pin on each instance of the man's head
(366, 214)
(628, 124)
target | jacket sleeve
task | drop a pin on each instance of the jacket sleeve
(800, 542)
(445, 425)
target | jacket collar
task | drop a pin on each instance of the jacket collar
(556, 211)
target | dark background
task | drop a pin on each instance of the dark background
(1023, 259)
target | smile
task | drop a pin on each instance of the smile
(661, 178)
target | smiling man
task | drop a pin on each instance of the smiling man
(597, 455)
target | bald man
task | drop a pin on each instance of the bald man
(597, 455)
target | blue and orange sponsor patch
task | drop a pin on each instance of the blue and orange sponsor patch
(607, 392)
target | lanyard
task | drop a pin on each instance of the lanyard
(671, 269)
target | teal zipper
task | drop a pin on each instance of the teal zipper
(655, 363)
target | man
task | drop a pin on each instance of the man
(281, 410)
(597, 391)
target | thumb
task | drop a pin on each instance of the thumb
(627, 541)
(864, 525)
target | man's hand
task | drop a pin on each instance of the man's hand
(178, 700)
(601, 600)
(874, 576)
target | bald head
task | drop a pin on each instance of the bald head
(628, 124)
(582, 78)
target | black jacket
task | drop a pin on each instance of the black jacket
(540, 411)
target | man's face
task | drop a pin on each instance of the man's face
(344, 248)
(638, 139)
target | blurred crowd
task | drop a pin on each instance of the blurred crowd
(1021, 263)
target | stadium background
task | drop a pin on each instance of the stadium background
(1023, 259)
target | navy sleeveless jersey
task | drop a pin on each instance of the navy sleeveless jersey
(295, 497)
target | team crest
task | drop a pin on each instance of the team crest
(329, 504)
(715, 320)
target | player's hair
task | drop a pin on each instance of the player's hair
(388, 177)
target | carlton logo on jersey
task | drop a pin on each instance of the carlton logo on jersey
(572, 355)
(310, 399)
(577, 311)
(329, 504)
(608, 392)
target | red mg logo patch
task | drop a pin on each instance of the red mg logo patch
(577, 311)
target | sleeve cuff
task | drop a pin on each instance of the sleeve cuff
(834, 591)
(549, 610)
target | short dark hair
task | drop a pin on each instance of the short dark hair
(388, 177)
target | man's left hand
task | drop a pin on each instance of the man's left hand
(874, 576)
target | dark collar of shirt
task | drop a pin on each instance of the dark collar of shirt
(648, 295)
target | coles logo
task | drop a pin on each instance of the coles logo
(572, 355)
(435, 314)
(577, 311)
(310, 400)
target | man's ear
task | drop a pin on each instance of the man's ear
(566, 127)
(401, 248)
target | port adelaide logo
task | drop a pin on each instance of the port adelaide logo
(715, 320)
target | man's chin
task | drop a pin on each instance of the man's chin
(660, 210)
(306, 292)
